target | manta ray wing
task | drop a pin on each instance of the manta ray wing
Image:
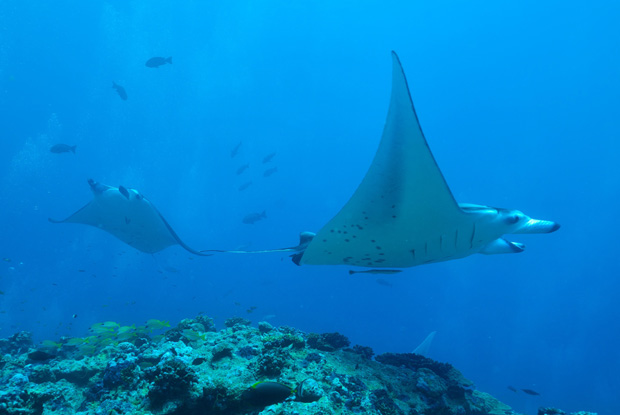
(403, 206)
(130, 217)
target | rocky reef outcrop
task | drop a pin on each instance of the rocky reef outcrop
(194, 369)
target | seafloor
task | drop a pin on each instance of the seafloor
(195, 369)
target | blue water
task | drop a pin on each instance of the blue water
(518, 100)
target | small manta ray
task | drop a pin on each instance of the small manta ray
(403, 213)
(129, 216)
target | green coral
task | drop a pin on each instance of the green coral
(277, 339)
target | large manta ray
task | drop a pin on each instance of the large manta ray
(403, 213)
(129, 216)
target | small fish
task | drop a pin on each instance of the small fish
(251, 309)
(300, 391)
(384, 282)
(245, 186)
(1, 292)
(76, 341)
(198, 361)
(512, 388)
(105, 327)
(268, 157)
(153, 324)
(120, 91)
(251, 218)
(242, 168)
(48, 344)
(108, 325)
(270, 171)
(87, 349)
(126, 329)
(530, 392)
(6, 259)
(376, 271)
(158, 61)
(193, 335)
(170, 268)
(267, 393)
(235, 150)
(62, 148)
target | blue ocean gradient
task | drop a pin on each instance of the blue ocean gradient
(519, 101)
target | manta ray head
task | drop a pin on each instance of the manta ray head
(508, 221)
(517, 222)
(492, 223)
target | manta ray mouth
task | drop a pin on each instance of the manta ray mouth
(538, 226)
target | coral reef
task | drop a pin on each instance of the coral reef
(555, 411)
(194, 369)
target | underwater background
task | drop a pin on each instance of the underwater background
(519, 104)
